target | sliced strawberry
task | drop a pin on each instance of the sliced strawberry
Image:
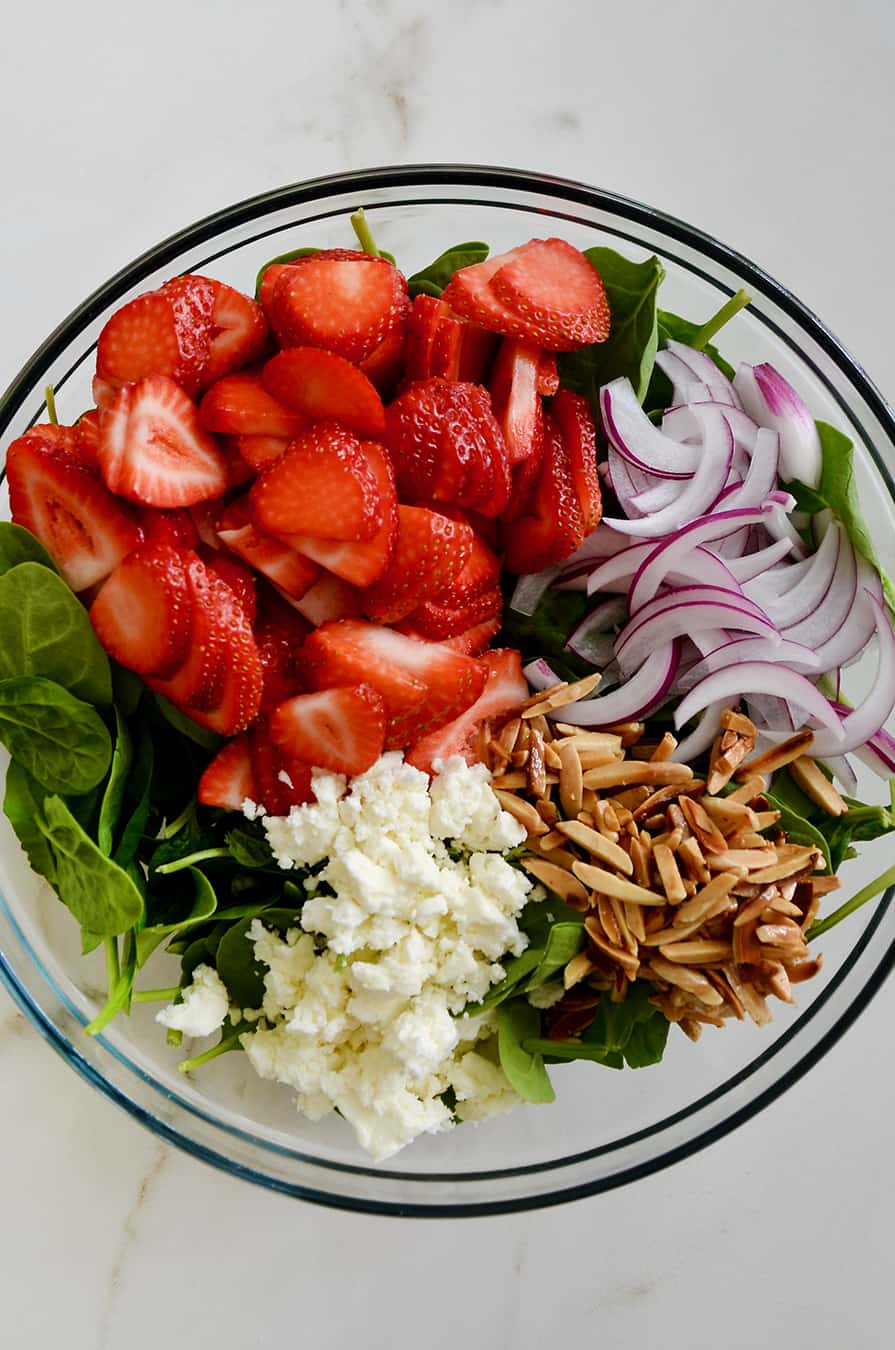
(340, 302)
(322, 386)
(504, 690)
(228, 780)
(353, 652)
(480, 574)
(441, 343)
(524, 479)
(545, 291)
(175, 528)
(469, 643)
(238, 332)
(322, 486)
(329, 598)
(239, 470)
(85, 529)
(446, 445)
(269, 279)
(576, 426)
(515, 399)
(548, 374)
(282, 782)
(342, 730)
(165, 332)
(477, 348)
(421, 328)
(204, 516)
(291, 571)
(552, 526)
(279, 634)
(384, 367)
(259, 451)
(240, 405)
(430, 553)
(143, 614)
(86, 445)
(153, 448)
(453, 682)
(437, 621)
(238, 577)
(219, 684)
(51, 436)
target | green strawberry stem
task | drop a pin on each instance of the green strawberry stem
(717, 321)
(192, 858)
(178, 822)
(362, 230)
(230, 1042)
(50, 397)
(868, 893)
(120, 993)
(155, 995)
(113, 967)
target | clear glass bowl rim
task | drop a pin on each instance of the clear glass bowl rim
(357, 182)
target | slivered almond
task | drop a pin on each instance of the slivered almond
(560, 857)
(577, 970)
(817, 786)
(626, 773)
(692, 857)
(543, 694)
(557, 879)
(536, 769)
(570, 784)
(510, 781)
(823, 885)
(543, 726)
(723, 766)
(712, 899)
(629, 963)
(586, 740)
(628, 732)
(608, 920)
(662, 936)
(548, 811)
(595, 759)
(610, 817)
(753, 787)
(669, 876)
(779, 934)
(804, 970)
(765, 819)
(523, 811)
(702, 825)
(665, 749)
(510, 734)
(788, 864)
(629, 942)
(671, 839)
(634, 920)
(751, 859)
(778, 755)
(585, 818)
(560, 696)
(700, 951)
(597, 845)
(746, 839)
(729, 816)
(690, 980)
(551, 840)
(640, 859)
(551, 757)
(737, 722)
(519, 758)
(670, 793)
(498, 755)
(606, 883)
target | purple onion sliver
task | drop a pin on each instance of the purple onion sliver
(637, 696)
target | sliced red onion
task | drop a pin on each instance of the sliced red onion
(879, 752)
(668, 554)
(773, 402)
(635, 438)
(826, 620)
(698, 494)
(698, 565)
(868, 717)
(685, 388)
(530, 588)
(591, 638)
(665, 492)
(764, 677)
(706, 640)
(540, 674)
(704, 368)
(682, 424)
(773, 714)
(636, 697)
(681, 619)
(840, 768)
(738, 650)
(795, 602)
(602, 542)
(762, 474)
(700, 739)
(756, 564)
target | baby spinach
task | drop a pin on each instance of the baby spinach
(546, 632)
(806, 823)
(58, 738)
(99, 893)
(18, 545)
(23, 805)
(796, 812)
(208, 740)
(127, 688)
(236, 964)
(518, 1023)
(631, 289)
(138, 784)
(44, 630)
(249, 850)
(113, 797)
(161, 923)
(867, 893)
(432, 280)
(120, 993)
(631, 1032)
(564, 941)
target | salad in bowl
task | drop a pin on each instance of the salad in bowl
(458, 672)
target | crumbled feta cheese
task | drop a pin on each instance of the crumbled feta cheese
(203, 1010)
(371, 1024)
(546, 995)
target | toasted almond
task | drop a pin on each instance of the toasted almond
(671, 838)
(722, 766)
(753, 787)
(548, 811)
(608, 922)
(551, 757)
(699, 951)
(746, 839)
(665, 749)
(804, 970)
(777, 755)
(640, 859)
(667, 933)
(560, 696)
(788, 864)
(542, 694)
(765, 819)
(523, 811)
(626, 773)
(669, 875)
(610, 817)
(577, 970)
(560, 857)
(782, 934)
(498, 755)
(751, 859)
(536, 769)
(737, 722)
(628, 732)
(519, 758)
(570, 784)
(815, 784)
(627, 801)
(551, 840)
(693, 859)
(557, 880)
(710, 900)
(585, 740)
(690, 980)
(702, 825)
(595, 759)
(629, 963)
(585, 818)
(690, 1027)
(606, 883)
(729, 816)
(597, 845)
(509, 735)
(543, 726)
(511, 782)
(634, 920)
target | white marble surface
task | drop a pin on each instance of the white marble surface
(771, 126)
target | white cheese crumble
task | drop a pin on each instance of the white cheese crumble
(203, 1010)
(417, 908)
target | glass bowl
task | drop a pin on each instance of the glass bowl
(606, 1129)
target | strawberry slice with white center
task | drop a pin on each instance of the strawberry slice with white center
(143, 614)
(352, 652)
(322, 486)
(238, 332)
(85, 529)
(572, 415)
(291, 571)
(504, 690)
(469, 643)
(338, 300)
(515, 399)
(239, 405)
(329, 598)
(282, 780)
(153, 448)
(259, 451)
(229, 780)
(322, 386)
(342, 730)
(430, 553)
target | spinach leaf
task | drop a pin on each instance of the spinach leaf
(229, 1040)
(432, 280)
(138, 785)
(18, 545)
(838, 490)
(249, 850)
(796, 812)
(517, 1023)
(127, 688)
(120, 995)
(189, 839)
(631, 1032)
(113, 797)
(23, 805)
(44, 630)
(630, 349)
(546, 632)
(209, 740)
(236, 963)
(161, 924)
(516, 971)
(564, 941)
(859, 824)
(291, 256)
(100, 894)
(58, 738)
(867, 893)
